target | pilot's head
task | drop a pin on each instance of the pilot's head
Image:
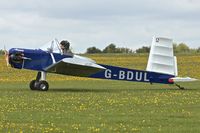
(64, 45)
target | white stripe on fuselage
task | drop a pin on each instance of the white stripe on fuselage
(52, 57)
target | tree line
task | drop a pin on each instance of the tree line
(112, 48)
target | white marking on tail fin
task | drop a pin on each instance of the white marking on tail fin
(161, 57)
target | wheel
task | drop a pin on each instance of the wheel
(43, 86)
(33, 85)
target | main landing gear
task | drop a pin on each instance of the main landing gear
(40, 83)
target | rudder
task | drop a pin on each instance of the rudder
(161, 57)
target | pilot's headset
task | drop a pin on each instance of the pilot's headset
(65, 44)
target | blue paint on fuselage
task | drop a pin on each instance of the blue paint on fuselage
(39, 59)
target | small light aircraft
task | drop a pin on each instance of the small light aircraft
(56, 58)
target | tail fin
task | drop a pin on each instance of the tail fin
(161, 57)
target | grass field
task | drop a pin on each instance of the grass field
(86, 105)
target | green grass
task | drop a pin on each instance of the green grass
(99, 106)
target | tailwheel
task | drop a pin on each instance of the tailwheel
(33, 85)
(43, 85)
(180, 87)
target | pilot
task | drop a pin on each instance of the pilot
(64, 45)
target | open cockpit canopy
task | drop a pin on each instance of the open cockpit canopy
(55, 46)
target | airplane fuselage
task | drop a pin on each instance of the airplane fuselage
(40, 60)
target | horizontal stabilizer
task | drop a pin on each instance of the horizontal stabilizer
(183, 79)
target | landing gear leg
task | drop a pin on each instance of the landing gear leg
(182, 88)
(40, 83)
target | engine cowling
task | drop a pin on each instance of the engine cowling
(16, 57)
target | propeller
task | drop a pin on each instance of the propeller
(14, 57)
(6, 54)
(17, 57)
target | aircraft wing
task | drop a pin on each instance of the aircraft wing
(76, 66)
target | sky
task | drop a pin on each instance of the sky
(87, 23)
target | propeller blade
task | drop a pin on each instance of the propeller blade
(25, 58)
(6, 54)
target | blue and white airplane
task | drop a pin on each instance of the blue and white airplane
(161, 67)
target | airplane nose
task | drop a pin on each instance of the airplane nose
(16, 57)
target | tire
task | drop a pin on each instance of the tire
(32, 85)
(43, 86)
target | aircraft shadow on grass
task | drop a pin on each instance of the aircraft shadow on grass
(84, 90)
